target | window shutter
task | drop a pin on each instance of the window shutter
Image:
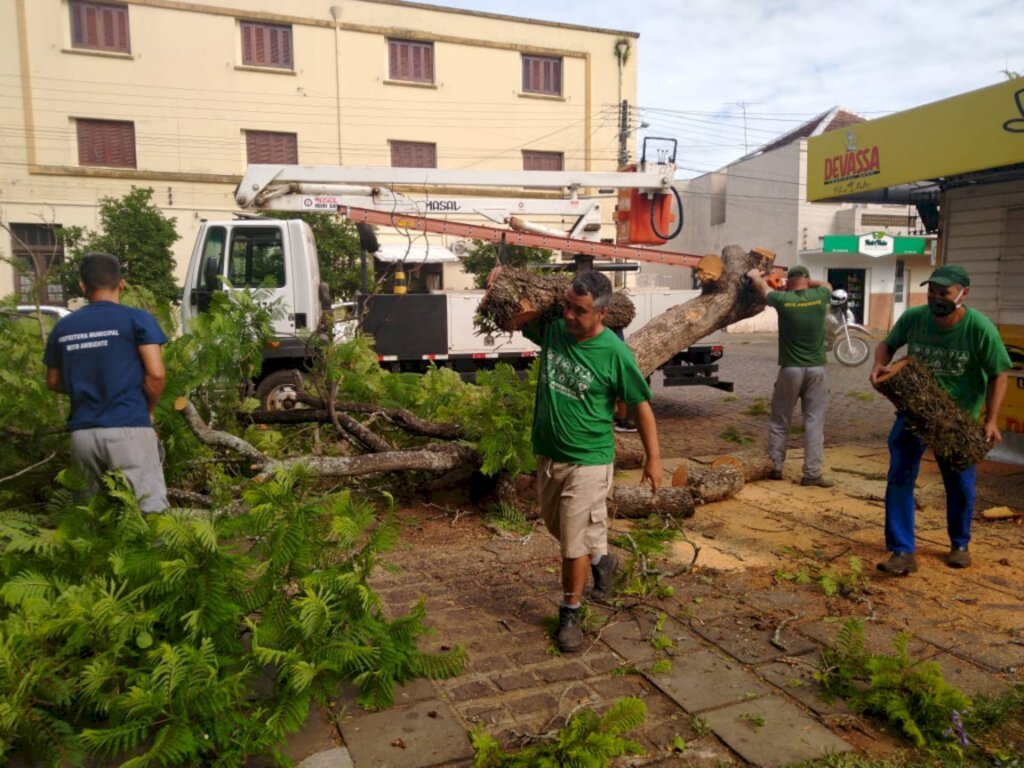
(411, 60)
(542, 74)
(266, 45)
(100, 26)
(271, 147)
(109, 143)
(542, 161)
(413, 154)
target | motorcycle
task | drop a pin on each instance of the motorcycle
(843, 337)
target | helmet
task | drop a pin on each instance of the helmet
(839, 297)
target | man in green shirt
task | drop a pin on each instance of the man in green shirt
(802, 309)
(584, 369)
(966, 355)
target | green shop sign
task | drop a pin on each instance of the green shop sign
(874, 244)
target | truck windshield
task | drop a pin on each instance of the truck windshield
(257, 258)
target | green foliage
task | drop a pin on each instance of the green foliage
(503, 421)
(758, 408)
(158, 640)
(909, 693)
(864, 397)
(337, 248)
(484, 256)
(732, 435)
(136, 231)
(648, 538)
(587, 740)
(833, 581)
(509, 518)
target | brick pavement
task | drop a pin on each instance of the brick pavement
(738, 687)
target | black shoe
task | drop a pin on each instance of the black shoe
(775, 474)
(625, 425)
(604, 574)
(900, 564)
(570, 635)
(958, 557)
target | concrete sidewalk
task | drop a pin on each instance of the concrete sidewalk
(738, 687)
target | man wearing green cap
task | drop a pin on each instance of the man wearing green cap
(802, 310)
(963, 349)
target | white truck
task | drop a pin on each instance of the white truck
(410, 331)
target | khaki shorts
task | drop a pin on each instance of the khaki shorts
(134, 450)
(574, 505)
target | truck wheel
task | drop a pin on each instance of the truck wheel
(276, 391)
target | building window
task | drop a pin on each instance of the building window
(37, 249)
(413, 154)
(542, 74)
(266, 45)
(271, 147)
(542, 161)
(99, 26)
(410, 60)
(109, 143)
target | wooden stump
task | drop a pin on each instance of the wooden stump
(635, 501)
(932, 414)
(518, 294)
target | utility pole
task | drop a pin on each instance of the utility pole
(743, 105)
(623, 134)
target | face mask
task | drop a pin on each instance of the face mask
(943, 307)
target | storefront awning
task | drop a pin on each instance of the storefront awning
(415, 254)
(972, 132)
(874, 244)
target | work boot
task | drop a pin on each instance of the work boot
(900, 564)
(775, 474)
(819, 481)
(603, 573)
(958, 557)
(625, 425)
(570, 635)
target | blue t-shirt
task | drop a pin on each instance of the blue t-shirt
(95, 349)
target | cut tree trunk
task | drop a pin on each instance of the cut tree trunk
(950, 431)
(635, 501)
(721, 303)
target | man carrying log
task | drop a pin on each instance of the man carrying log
(967, 357)
(802, 309)
(584, 369)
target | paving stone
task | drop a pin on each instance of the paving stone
(514, 681)
(630, 637)
(786, 736)
(748, 639)
(1002, 655)
(705, 679)
(429, 731)
(969, 678)
(796, 678)
(559, 671)
(793, 602)
(538, 702)
(461, 690)
(486, 714)
(488, 664)
(318, 733)
(337, 757)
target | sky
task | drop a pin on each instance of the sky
(726, 76)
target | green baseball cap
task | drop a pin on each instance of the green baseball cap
(798, 271)
(949, 274)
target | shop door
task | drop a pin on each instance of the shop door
(852, 281)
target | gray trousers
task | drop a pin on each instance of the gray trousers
(809, 386)
(134, 450)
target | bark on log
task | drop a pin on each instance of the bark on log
(753, 464)
(518, 292)
(721, 303)
(442, 458)
(635, 501)
(708, 484)
(215, 438)
(952, 433)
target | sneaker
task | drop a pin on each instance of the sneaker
(604, 573)
(900, 564)
(775, 474)
(819, 481)
(958, 557)
(625, 425)
(570, 635)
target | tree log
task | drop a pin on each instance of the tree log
(635, 501)
(442, 458)
(212, 437)
(708, 484)
(721, 303)
(516, 293)
(950, 431)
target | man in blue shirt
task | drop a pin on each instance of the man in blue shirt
(106, 358)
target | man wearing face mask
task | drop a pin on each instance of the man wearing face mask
(963, 349)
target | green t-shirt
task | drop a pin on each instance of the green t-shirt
(801, 325)
(962, 358)
(577, 388)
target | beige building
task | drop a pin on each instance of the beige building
(761, 200)
(179, 96)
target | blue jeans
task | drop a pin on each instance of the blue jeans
(905, 451)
